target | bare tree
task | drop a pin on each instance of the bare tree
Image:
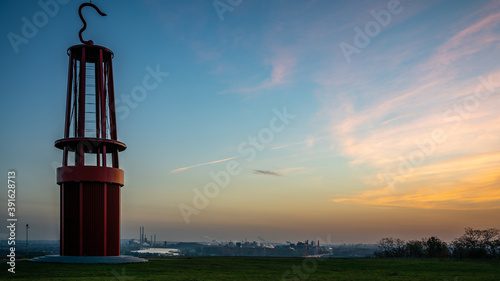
(475, 243)
(391, 247)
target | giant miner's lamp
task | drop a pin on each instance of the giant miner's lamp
(90, 177)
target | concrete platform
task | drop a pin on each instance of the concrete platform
(88, 259)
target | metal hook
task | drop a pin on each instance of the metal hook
(89, 42)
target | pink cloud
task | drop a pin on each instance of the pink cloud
(466, 42)
(283, 67)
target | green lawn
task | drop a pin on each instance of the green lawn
(239, 268)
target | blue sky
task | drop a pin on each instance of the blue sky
(392, 127)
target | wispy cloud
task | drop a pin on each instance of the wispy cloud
(412, 112)
(267, 173)
(281, 172)
(309, 142)
(384, 130)
(437, 187)
(470, 40)
(202, 164)
(282, 68)
(367, 139)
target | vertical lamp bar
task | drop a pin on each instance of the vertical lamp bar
(68, 97)
(111, 91)
(81, 97)
(79, 155)
(112, 117)
(75, 93)
(98, 95)
(103, 99)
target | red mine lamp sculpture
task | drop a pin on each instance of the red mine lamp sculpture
(90, 178)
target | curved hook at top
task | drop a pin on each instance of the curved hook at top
(89, 42)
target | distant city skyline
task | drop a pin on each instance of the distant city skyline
(284, 120)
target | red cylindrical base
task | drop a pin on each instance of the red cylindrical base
(90, 219)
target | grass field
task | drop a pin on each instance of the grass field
(240, 268)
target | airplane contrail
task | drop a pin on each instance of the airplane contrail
(202, 164)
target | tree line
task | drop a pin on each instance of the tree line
(474, 243)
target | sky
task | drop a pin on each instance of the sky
(346, 121)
